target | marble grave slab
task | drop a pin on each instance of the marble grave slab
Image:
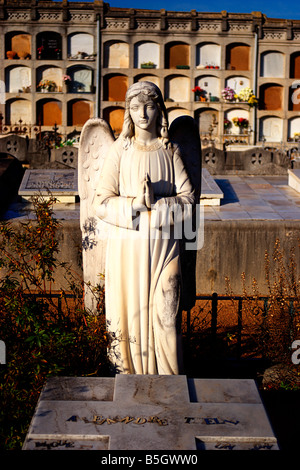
(63, 184)
(146, 412)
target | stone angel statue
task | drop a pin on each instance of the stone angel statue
(136, 194)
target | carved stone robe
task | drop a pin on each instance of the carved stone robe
(142, 273)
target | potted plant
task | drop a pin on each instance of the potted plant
(148, 65)
(182, 66)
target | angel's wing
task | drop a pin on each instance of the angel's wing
(185, 132)
(95, 141)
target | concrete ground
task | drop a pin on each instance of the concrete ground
(255, 198)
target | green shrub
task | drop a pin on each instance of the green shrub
(44, 335)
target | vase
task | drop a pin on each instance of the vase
(10, 54)
(22, 55)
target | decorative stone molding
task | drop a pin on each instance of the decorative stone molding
(239, 26)
(179, 26)
(112, 23)
(18, 15)
(50, 16)
(148, 25)
(275, 34)
(209, 26)
(82, 17)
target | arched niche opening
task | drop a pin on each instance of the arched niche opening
(116, 54)
(49, 45)
(147, 78)
(177, 88)
(79, 111)
(295, 65)
(49, 74)
(294, 129)
(238, 56)
(81, 79)
(210, 85)
(208, 55)
(270, 129)
(115, 87)
(18, 43)
(146, 54)
(49, 112)
(271, 95)
(115, 117)
(80, 46)
(272, 64)
(177, 54)
(208, 121)
(237, 82)
(18, 79)
(231, 114)
(294, 96)
(16, 110)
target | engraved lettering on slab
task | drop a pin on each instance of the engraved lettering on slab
(198, 420)
(99, 420)
(51, 181)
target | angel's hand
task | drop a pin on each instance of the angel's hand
(139, 202)
(149, 193)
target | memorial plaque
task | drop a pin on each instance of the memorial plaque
(148, 412)
(60, 183)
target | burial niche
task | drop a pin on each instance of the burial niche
(49, 45)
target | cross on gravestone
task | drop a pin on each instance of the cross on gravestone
(137, 412)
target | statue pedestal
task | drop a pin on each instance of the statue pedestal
(146, 412)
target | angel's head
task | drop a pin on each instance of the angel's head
(145, 92)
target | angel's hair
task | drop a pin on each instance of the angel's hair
(144, 91)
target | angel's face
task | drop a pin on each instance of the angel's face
(143, 113)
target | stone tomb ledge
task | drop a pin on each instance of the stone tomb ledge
(63, 184)
(294, 179)
(211, 194)
(149, 412)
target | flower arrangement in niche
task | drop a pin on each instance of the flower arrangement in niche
(228, 94)
(199, 93)
(240, 122)
(66, 79)
(40, 51)
(46, 85)
(227, 124)
(247, 95)
(197, 90)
